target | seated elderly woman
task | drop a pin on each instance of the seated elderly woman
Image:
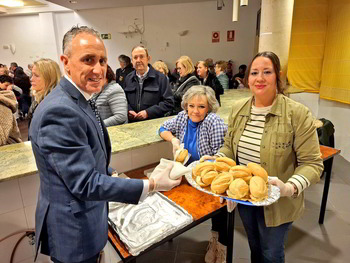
(46, 75)
(185, 68)
(202, 132)
(111, 101)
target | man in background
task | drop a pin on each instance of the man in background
(147, 90)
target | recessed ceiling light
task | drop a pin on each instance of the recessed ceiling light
(73, 2)
(11, 3)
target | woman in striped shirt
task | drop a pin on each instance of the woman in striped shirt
(279, 134)
(111, 101)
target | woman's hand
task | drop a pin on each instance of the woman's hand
(206, 158)
(286, 189)
(176, 145)
(230, 204)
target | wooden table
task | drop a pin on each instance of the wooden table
(200, 205)
(328, 154)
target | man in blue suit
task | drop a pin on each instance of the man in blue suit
(72, 152)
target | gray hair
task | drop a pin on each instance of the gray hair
(200, 90)
(72, 33)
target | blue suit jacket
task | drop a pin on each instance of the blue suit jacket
(72, 158)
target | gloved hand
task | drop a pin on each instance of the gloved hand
(206, 158)
(162, 180)
(230, 204)
(286, 189)
(176, 145)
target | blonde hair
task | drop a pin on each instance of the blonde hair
(186, 63)
(200, 90)
(161, 65)
(51, 74)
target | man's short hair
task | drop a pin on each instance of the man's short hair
(6, 78)
(221, 64)
(72, 33)
(140, 46)
(13, 64)
(243, 66)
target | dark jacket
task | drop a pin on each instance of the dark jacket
(181, 87)
(155, 96)
(121, 74)
(213, 82)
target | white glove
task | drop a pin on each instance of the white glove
(206, 158)
(286, 189)
(162, 181)
(230, 204)
(176, 145)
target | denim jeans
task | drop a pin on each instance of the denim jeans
(266, 243)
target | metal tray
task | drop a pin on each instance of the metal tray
(273, 191)
(142, 225)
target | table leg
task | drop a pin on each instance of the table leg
(230, 233)
(328, 166)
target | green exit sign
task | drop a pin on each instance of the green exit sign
(106, 36)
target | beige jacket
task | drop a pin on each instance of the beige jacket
(289, 145)
(9, 132)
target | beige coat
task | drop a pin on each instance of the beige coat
(9, 132)
(289, 146)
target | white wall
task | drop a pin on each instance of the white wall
(35, 37)
(337, 113)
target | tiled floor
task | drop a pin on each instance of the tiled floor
(307, 241)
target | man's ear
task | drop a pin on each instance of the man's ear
(64, 59)
(149, 59)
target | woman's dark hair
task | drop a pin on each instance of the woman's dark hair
(276, 66)
(125, 59)
(110, 74)
(22, 80)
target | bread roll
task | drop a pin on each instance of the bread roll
(220, 184)
(257, 170)
(202, 166)
(227, 160)
(258, 188)
(208, 176)
(200, 182)
(182, 156)
(239, 189)
(222, 167)
(241, 168)
(242, 175)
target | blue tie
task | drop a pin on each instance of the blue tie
(97, 114)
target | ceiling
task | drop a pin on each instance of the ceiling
(27, 3)
(94, 4)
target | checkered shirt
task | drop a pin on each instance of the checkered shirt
(210, 132)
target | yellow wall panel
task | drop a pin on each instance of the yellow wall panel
(335, 80)
(309, 30)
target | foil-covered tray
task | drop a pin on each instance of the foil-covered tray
(273, 191)
(142, 225)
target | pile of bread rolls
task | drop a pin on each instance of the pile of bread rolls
(237, 181)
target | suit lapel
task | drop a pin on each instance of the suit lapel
(84, 105)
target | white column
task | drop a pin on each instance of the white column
(275, 29)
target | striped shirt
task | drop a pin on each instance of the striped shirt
(249, 144)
